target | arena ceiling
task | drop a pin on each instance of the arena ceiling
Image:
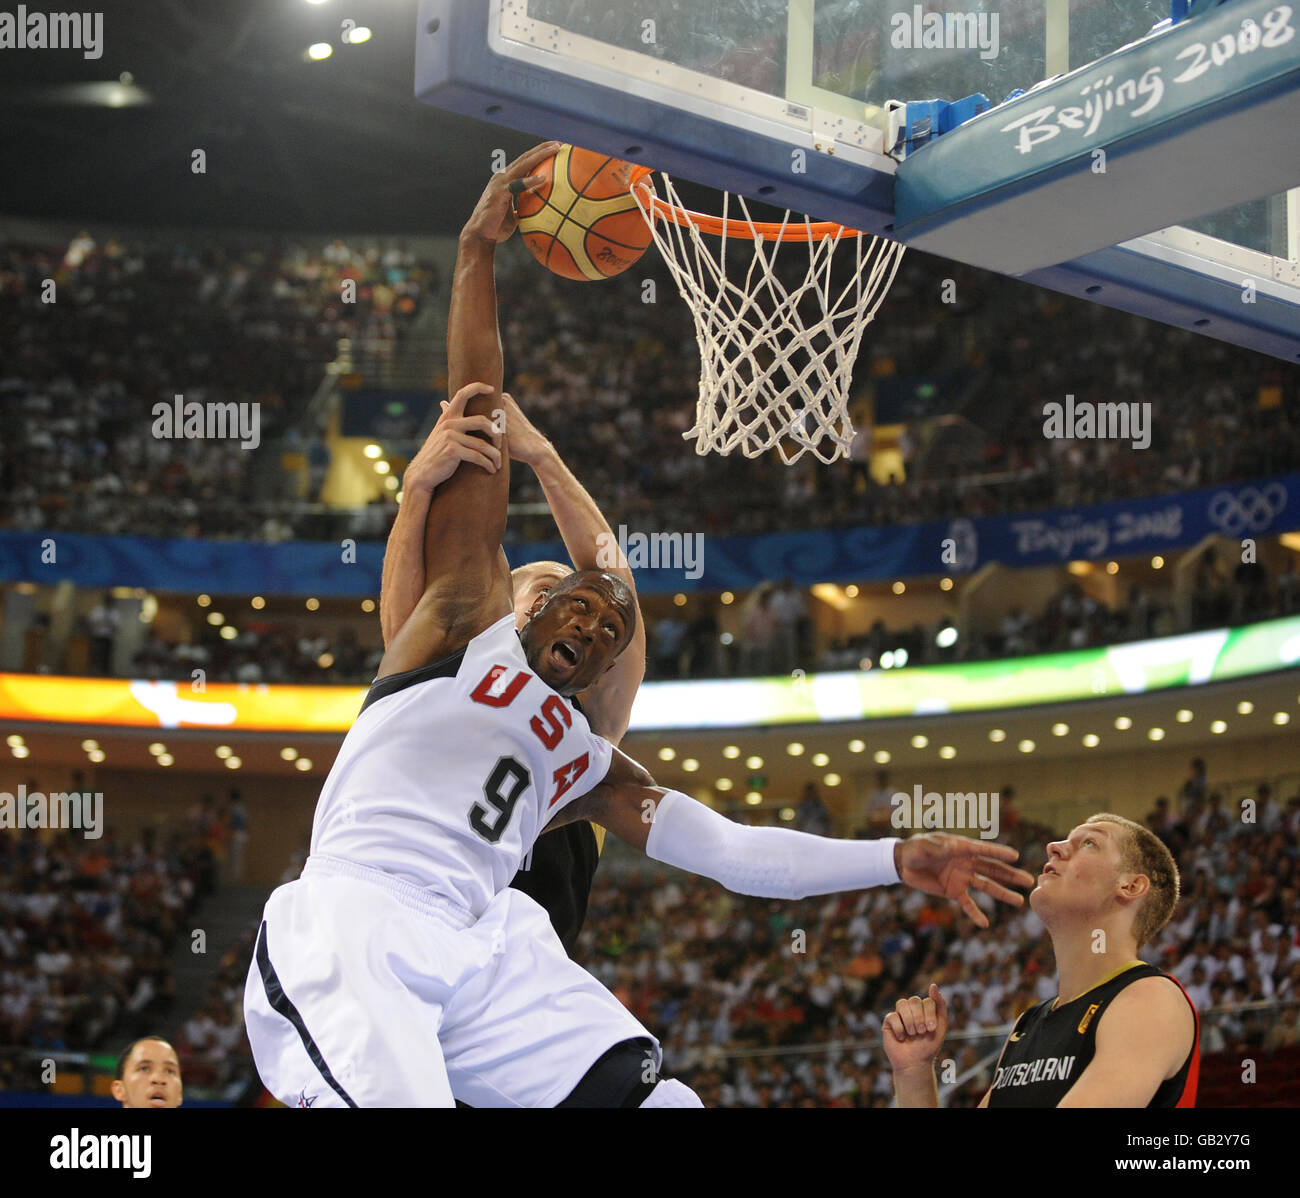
(334, 145)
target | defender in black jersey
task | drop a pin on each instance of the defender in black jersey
(1053, 1044)
(1120, 1033)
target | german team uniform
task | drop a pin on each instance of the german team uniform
(1050, 1047)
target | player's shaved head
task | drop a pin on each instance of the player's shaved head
(611, 586)
(576, 631)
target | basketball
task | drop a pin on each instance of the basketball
(582, 222)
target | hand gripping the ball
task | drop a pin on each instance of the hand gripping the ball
(493, 218)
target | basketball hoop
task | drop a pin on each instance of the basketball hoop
(771, 375)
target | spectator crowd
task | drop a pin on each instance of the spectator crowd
(134, 325)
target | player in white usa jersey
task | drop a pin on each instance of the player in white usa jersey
(400, 969)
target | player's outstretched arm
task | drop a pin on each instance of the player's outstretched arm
(592, 546)
(454, 439)
(1143, 1039)
(674, 828)
(913, 1033)
(466, 576)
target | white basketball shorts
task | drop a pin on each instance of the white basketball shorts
(367, 991)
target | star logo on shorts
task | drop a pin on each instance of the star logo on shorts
(303, 1100)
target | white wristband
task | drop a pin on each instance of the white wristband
(766, 862)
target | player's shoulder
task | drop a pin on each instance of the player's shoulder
(1155, 1000)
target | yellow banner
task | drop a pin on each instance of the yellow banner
(120, 702)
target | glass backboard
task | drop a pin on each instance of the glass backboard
(722, 92)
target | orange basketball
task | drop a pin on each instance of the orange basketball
(582, 221)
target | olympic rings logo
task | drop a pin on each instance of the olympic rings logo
(1252, 509)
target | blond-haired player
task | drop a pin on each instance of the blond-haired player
(1120, 1033)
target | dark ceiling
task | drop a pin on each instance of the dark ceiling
(291, 144)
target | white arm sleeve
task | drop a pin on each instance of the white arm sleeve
(766, 862)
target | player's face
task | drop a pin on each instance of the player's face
(575, 637)
(152, 1077)
(536, 585)
(1080, 872)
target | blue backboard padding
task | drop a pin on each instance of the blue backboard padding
(1156, 524)
(981, 163)
(1145, 286)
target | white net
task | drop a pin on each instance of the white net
(777, 343)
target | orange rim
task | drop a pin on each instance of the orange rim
(731, 226)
